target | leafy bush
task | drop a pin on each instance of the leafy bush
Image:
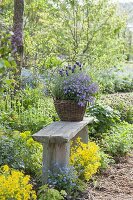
(105, 161)
(123, 102)
(119, 140)
(85, 158)
(7, 63)
(124, 85)
(114, 85)
(115, 80)
(46, 193)
(106, 83)
(15, 185)
(65, 179)
(29, 110)
(105, 118)
(20, 151)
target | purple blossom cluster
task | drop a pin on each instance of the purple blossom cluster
(66, 71)
(80, 88)
(72, 83)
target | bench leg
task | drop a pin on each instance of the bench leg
(83, 134)
(54, 154)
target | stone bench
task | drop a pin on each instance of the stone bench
(56, 138)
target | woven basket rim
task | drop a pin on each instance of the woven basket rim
(60, 100)
(68, 101)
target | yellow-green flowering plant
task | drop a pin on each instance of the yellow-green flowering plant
(85, 158)
(20, 151)
(15, 185)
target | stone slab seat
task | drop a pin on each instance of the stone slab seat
(56, 138)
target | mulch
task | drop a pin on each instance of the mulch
(116, 183)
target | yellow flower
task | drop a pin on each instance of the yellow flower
(5, 168)
(15, 185)
(23, 135)
(28, 133)
(30, 142)
(85, 158)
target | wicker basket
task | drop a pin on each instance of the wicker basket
(68, 110)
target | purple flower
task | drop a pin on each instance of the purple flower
(80, 88)
(76, 85)
(61, 72)
(67, 73)
(73, 70)
(78, 63)
(69, 67)
(74, 66)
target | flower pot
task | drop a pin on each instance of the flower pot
(69, 110)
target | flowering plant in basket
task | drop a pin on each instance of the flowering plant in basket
(73, 85)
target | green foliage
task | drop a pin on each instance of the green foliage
(115, 79)
(28, 110)
(105, 118)
(7, 63)
(46, 193)
(105, 161)
(110, 83)
(123, 102)
(65, 179)
(124, 85)
(89, 31)
(20, 151)
(119, 140)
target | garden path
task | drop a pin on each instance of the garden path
(115, 184)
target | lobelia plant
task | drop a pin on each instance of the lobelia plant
(71, 83)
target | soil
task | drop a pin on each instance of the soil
(115, 183)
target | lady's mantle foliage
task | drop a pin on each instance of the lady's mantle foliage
(71, 83)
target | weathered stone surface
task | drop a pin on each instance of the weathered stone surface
(59, 132)
(55, 139)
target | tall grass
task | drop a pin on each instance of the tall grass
(29, 110)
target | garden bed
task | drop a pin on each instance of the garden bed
(115, 183)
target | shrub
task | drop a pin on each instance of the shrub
(46, 193)
(26, 111)
(105, 118)
(123, 102)
(85, 158)
(106, 83)
(115, 80)
(20, 151)
(124, 85)
(119, 140)
(15, 185)
(105, 161)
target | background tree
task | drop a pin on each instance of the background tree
(17, 38)
(88, 31)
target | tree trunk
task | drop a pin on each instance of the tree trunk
(17, 38)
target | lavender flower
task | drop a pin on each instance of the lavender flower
(72, 84)
(69, 67)
(74, 66)
(79, 88)
(61, 72)
(67, 73)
